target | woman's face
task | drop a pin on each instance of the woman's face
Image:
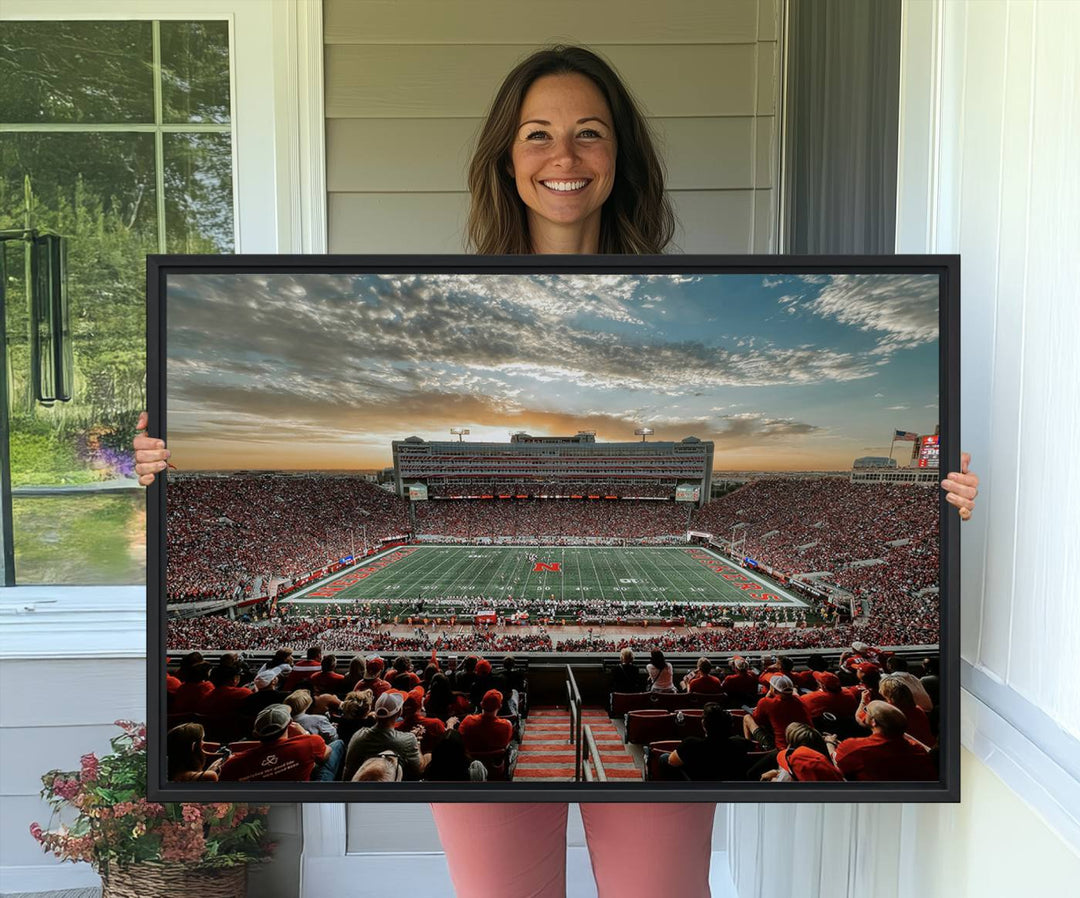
(563, 154)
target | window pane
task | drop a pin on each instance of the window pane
(76, 72)
(98, 191)
(83, 540)
(198, 193)
(195, 72)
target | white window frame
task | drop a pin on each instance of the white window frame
(276, 88)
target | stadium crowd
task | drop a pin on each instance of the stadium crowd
(300, 720)
(228, 530)
(822, 524)
(562, 489)
(868, 716)
(550, 520)
(877, 542)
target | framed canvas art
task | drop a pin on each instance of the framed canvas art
(585, 528)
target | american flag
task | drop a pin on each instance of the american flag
(906, 435)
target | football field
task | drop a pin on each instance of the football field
(681, 574)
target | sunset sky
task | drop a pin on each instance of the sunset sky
(322, 372)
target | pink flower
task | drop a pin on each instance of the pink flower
(37, 832)
(182, 842)
(65, 788)
(192, 813)
(89, 767)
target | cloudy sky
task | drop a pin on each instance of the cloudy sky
(321, 372)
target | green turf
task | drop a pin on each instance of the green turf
(630, 574)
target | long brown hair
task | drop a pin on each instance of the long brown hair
(637, 216)
(183, 749)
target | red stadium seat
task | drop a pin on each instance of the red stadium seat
(692, 722)
(654, 770)
(643, 727)
(499, 764)
(677, 701)
(243, 745)
(621, 702)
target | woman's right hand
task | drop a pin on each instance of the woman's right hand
(150, 453)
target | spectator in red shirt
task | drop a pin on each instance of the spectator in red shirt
(806, 758)
(328, 679)
(171, 683)
(304, 670)
(228, 694)
(701, 680)
(782, 665)
(741, 687)
(769, 720)
(829, 697)
(373, 681)
(805, 679)
(897, 694)
(401, 675)
(412, 717)
(866, 690)
(886, 754)
(486, 731)
(194, 687)
(285, 752)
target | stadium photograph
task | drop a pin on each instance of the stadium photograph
(542, 529)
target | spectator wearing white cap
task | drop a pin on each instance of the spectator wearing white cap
(372, 741)
(770, 718)
(267, 691)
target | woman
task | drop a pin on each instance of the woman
(355, 674)
(626, 677)
(440, 698)
(299, 702)
(660, 672)
(565, 164)
(806, 758)
(356, 714)
(186, 758)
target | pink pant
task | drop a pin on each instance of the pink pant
(519, 850)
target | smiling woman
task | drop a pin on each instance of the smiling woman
(562, 117)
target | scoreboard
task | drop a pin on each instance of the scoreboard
(688, 492)
(927, 452)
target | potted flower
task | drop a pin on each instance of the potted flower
(142, 848)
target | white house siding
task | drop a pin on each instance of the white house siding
(408, 83)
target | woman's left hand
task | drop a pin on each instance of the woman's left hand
(962, 487)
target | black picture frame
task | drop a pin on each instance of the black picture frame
(947, 789)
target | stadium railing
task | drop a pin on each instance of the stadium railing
(594, 769)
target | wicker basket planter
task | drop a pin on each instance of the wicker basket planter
(150, 880)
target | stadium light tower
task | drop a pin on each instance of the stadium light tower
(643, 432)
(459, 432)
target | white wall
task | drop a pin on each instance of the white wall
(989, 149)
(408, 83)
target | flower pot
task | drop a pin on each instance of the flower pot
(150, 880)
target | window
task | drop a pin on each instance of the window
(118, 136)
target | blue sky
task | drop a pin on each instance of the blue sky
(782, 372)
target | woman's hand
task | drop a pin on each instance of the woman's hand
(961, 487)
(150, 453)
